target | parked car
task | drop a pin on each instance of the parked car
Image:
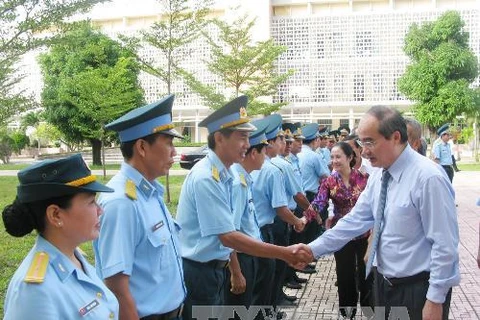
(188, 159)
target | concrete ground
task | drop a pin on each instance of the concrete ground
(318, 299)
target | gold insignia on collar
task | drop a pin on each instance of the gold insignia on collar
(242, 180)
(299, 131)
(215, 174)
(131, 190)
(38, 268)
(243, 112)
(288, 132)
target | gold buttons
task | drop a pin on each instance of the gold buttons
(112, 315)
(99, 295)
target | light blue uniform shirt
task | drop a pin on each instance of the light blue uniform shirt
(313, 167)
(243, 208)
(205, 210)
(268, 192)
(443, 153)
(325, 153)
(66, 292)
(292, 187)
(296, 169)
(139, 238)
(420, 229)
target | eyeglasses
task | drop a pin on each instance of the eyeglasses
(366, 144)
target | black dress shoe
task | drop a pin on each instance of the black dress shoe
(292, 284)
(281, 315)
(311, 265)
(299, 280)
(287, 303)
(307, 270)
(289, 297)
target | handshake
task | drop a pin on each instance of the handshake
(298, 255)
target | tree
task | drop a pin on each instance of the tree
(89, 81)
(27, 25)
(180, 24)
(6, 145)
(20, 141)
(442, 69)
(241, 67)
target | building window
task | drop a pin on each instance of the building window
(364, 44)
(319, 92)
(359, 87)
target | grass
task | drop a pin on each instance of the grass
(468, 166)
(176, 166)
(13, 250)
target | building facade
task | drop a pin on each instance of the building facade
(347, 54)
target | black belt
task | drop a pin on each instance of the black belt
(217, 264)
(424, 275)
(176, 313)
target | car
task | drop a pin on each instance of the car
(190, 158)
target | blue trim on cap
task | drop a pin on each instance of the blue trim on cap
(217, 124)
(257, 140)
(273, 134)
(145, 128)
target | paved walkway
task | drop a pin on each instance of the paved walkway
(318, 299)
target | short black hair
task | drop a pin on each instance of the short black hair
(258, 147)
(127, 147)
(211, 137)
(390, 120)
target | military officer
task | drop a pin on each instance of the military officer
(243, 268)
(137, 253)
(442, 151)
(54, 281)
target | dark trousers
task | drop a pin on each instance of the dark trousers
(281, 237)
(262, 291)
(350, 269)
(249, 267)
(295, 237)
(205, 286)
(454, 164)
(449, 171)
(409, 295)
(313, 230)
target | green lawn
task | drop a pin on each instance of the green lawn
(175, 166)
(13, 250)
(468, 166)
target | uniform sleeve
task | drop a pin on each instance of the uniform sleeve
(30, 301)
(320, 167)
(439, 222)
(215, 215)
(292, 183)
(240, 194)
(437, 151)
(276, 182)
(115, 247)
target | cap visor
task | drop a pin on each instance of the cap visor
(173, 133)
(302, 137)
(95, 187)
(244, 127)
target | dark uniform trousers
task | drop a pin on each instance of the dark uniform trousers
(350, 269)
(262, 291)
(249, 268)
(409, 292)
(281, 237)
(449, 171)
(205, 284)
(313, 230)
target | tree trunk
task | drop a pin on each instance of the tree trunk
(96, 151)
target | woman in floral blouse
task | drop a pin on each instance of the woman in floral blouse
(343, 187)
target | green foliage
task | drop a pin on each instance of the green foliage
(89, 81)
(6, 146)
(47, 134)
(20, 141)
(27, 25)
(179, 25)
(441, 71)
(241, 67)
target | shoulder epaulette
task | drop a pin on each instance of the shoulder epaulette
(242, 180)
(38, 268)
(215, 174)
(277, 166)
(131, 190)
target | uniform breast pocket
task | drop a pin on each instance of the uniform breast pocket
(159, 244)
(403, 221)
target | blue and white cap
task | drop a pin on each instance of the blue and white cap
(144, 121)
(310, 131)
(231, 116)
(274, 128)
(258, 136)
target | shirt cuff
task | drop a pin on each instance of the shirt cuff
(437, 294)
(318, 248)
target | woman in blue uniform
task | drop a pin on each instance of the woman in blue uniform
(54, 281)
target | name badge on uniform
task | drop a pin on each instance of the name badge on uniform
(157, 226)
(89, 307)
